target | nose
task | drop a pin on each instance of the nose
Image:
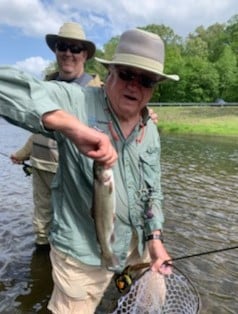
(68, 52)
(134, 83)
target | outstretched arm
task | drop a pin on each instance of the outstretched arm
(89, 142)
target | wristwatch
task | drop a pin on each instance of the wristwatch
(155, 236)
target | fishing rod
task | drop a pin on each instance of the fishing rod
(26, 167)
(5, 155)
(167, 262)
(200, 254)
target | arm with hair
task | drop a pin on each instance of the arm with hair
(89, 142)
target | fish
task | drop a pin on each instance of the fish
(104, 213)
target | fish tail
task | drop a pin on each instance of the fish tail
(111, 262)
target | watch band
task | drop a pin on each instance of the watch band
(154, 237)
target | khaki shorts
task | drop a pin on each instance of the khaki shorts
(78, 288)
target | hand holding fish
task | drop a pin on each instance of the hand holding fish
(89, 142)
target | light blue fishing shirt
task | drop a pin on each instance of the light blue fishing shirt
(23, 101)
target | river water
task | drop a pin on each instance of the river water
(200, 183)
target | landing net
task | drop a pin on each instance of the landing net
(153, 293)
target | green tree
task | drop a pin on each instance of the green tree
(196, 46)
(232, 34)
(214, 37)
(107, 53)
(228, 72)
(201, 80)
(172, 62)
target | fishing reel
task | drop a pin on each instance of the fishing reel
(27, 169)
(124, 280)
(129, 275)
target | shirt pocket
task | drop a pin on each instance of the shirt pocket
(149, 165)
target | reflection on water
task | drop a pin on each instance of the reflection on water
(25, 280)
(200, 181)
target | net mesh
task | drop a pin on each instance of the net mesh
(154, 294)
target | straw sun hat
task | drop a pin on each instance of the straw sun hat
(143, 50)
(74, 31)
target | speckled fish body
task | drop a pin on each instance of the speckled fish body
(104, 210)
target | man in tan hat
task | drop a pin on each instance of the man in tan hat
(72, 50)
(111, 126)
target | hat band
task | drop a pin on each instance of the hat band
(73, 35)
(138, 61)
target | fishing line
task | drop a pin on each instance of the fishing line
(202, 253)
(144, 265)
(26, 167)
(5, 155)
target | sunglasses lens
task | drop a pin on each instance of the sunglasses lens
(73, 48)
(61, 46)
(143, 80)
(147, 81)
(125, 75)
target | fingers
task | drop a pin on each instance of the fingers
(15, 160)
(105, 152)
(160, 266)
(153, 116)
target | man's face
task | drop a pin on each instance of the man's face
(129, 90)
(71, 56)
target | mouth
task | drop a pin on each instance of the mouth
(130, 97)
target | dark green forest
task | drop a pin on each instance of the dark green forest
(206, 61)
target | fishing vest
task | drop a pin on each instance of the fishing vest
(44, 148)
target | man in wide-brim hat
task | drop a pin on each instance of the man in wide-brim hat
(72, 50)
(71, 31)
(111, 126)
(141, 50)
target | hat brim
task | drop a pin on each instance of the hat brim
(135, 62)
(51, 40)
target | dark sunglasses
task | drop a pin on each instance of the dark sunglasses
(73, 48)
(128, 75)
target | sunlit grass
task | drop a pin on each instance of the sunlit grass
(198, 120)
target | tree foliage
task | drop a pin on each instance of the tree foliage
(206, 61)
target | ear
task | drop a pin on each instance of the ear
(85, 55)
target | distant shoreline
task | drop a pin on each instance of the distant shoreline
(198, 120)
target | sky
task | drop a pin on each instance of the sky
(24, 24)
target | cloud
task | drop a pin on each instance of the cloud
(33, 17)
(103, 19)
(33, 65)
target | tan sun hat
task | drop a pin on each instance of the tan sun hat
(71, 30)
(141, 49)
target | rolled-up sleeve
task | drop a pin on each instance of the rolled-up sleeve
(24, 99)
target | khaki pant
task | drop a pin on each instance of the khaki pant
(79, 288)
(42, 204)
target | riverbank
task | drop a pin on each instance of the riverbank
(202, 120)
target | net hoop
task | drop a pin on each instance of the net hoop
(148, 294)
